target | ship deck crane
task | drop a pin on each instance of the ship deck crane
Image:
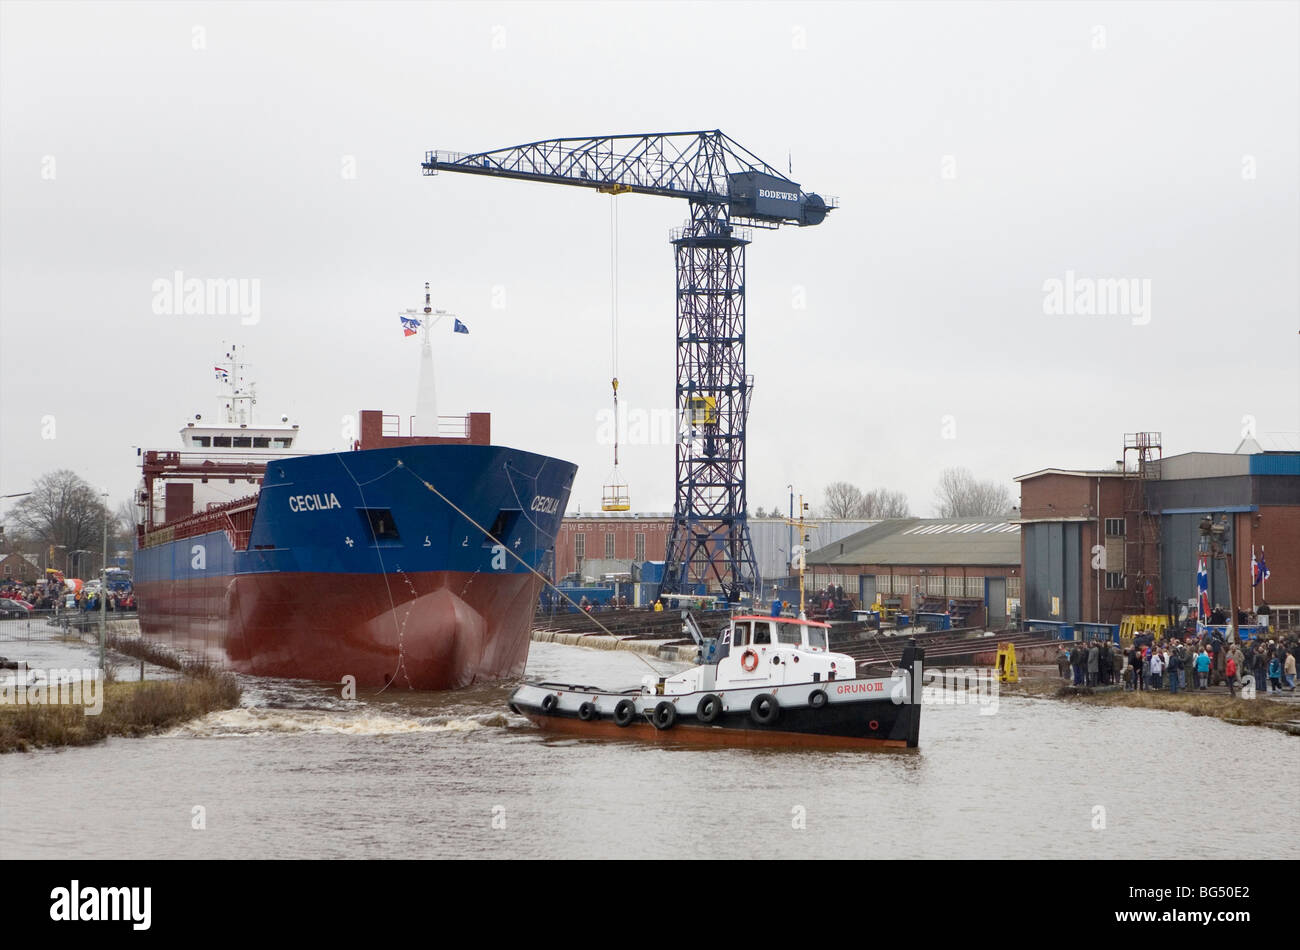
(730, 191)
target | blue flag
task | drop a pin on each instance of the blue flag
(460, 327)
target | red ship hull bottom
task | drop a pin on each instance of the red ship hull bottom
(435, 630)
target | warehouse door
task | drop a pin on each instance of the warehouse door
(997, 601)
(866, 590)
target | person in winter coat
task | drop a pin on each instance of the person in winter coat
(1175, 668)
(1202, 669)
(1230, 674)
(1094, 664)
(1157, 668)
(1063, 662)
(1288, 673)
(1078, 659)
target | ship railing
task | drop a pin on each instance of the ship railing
(449, 427)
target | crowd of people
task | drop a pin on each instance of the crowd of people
(48, 596)
(1196, 662)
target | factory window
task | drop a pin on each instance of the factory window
(1115, 580)
(1115, 527)
(1013, 587)
(955, 587)
(579, 546)
(974, 587)
(934, 585)
(640, 547)
(609, 544)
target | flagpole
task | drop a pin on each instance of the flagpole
(1253, 569)
(1263, 577)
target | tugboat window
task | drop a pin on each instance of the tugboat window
(243, 442)
(788, 633)
(381, 524)
(261, 442)
(741, 637)
(762, 633)
(221, 441)
(817, 639)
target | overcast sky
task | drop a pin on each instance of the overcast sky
(979, 151)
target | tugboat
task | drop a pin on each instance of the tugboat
(768, 681)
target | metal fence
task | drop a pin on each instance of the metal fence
(57, 624)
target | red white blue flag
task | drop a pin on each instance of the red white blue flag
(1203, 590)
(410, 325)
(1258, 569)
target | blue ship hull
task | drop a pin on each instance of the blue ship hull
(413, 565)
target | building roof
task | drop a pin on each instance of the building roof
(1081, 472)
(924, 541)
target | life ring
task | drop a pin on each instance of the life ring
(549, 702)
(664, 716)
(588, 711)
(817, 698)
(709, 709)
(764, 709)
(745, 658)
(874, 725)
(624, 712)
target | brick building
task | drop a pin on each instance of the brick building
(1092, 552)
(20, 568)
(609, 542)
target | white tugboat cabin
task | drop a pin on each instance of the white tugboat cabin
(762, 651)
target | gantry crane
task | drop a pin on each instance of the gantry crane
(730, 191)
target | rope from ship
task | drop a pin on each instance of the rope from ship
(528, 567)
(392, 604)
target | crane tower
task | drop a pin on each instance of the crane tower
(730, 192)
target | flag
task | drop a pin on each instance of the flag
(1203, 589)
(222, 373)
(1259, 570)
(460, 327)
(410, 325)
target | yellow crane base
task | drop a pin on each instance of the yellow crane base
(1007, 671)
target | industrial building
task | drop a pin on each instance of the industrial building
(1101, 543)
(594, 545)
(908, 561)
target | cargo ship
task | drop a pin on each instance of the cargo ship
(413, 560)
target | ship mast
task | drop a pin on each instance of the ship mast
(798, 554)
(238, 400)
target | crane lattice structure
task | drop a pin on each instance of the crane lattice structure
(730, 191)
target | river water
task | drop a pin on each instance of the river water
(299, 772)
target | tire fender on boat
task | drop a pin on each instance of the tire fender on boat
(665, 715)
(817, 698)
(624, 712)
(549, 702)
(709, 709)
(588, 711)
(764, 701)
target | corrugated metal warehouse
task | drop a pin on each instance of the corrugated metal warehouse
(911, 560)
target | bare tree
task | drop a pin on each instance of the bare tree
(884, 503)
(960, 495)
(848, 501)
(842, 500)
(64, 511)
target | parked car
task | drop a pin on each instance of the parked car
(12, 608)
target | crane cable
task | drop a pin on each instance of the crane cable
(613, 309)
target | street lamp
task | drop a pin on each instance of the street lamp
(103, 586)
